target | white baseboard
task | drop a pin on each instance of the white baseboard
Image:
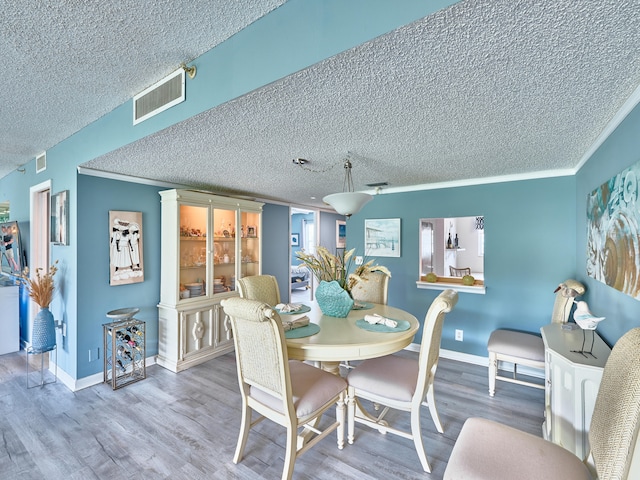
(78, 384)
(482, 361)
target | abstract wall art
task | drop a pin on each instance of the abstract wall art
(613, 218)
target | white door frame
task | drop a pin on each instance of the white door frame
(39, 248)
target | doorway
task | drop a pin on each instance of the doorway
(39, 256)
(304, 235)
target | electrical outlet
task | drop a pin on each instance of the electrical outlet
(359, 260)
(459, 335)
(94, 354)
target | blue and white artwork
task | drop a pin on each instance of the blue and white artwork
(382, 237)
(613, 212)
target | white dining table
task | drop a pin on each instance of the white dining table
(340, 339)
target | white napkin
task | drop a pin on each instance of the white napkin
(288, 307)
(375, 318)
(295, 323)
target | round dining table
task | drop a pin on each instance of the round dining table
(340, 339)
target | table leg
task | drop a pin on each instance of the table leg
(331, 367)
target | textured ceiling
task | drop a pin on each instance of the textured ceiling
(69, 62)
(480, 89)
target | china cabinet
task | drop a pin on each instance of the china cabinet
(208, 241)
(572, 382)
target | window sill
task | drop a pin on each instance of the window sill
(445, 282)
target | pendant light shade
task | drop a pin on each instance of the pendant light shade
(348, 202)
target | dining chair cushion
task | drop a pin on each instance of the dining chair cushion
(390, 376)
(517, 344)
(310, 388)
(482, 453)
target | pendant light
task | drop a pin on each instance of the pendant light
(348, 202)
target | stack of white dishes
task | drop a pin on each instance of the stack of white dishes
(218, 286)
(195, 289)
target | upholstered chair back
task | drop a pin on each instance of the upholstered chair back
(372, 288)
(263, 288)
(565, 294)
(431, 336)
(613, 434)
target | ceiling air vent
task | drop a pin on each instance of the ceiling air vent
(41, 162)
(158, 97)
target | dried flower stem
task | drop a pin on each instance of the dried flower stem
(42, 286)
(327, 266)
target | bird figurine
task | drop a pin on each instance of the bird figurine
(568, 291)
(584, 318)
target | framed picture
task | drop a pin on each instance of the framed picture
(295, 239)
(382, 237)
(251, 231)
(341, 234)
(59, 226)
(11, 254)
(125, 248)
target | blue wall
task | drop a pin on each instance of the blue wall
(275, 245)
(529, 249)
(96, 197)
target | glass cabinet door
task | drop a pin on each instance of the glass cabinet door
(193, 250)
(224, 250)
(249, 244)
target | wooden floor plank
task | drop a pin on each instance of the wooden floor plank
(185, 426)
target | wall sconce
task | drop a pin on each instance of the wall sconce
(191, 71)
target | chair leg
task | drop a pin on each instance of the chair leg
(290, 455)
(351, 414)
(416, 433)
(431, 402)
(245, 425)
(340, 418)
(493, 371)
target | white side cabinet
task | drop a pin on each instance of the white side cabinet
(207, 242)
(572, 382)
(9, 321)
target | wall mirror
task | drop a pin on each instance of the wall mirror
(451, 248)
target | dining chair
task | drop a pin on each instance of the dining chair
(288, 392)
(459, 272)
(489, 450)
(373, 287)
(402, 383)
(263, 288)
(525, 348)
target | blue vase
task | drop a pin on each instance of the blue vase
(333, 300)
(43, 334)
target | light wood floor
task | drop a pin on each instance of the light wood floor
(185, 426)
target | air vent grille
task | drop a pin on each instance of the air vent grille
(158, 97)
(41, 162)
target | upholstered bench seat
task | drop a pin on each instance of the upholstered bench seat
(519, 348)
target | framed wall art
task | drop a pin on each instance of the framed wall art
(613, 232)
(59, 225)
(295, 239)
(341, 234)
(125, 248)
(382, 237)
